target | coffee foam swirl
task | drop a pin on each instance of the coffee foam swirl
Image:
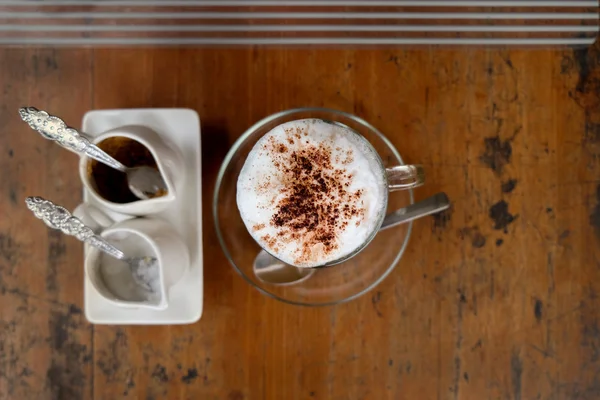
(311, 192)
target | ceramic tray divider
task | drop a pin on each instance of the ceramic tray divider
(298, 22)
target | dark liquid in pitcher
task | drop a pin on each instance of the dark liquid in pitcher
(111, 184)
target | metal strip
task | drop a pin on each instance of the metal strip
(300, 15)
(294, 3)
(217, 22)
(300, 28)
(299, 41)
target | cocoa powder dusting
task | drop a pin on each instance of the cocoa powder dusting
(270, 240)
(314, 205)
(349, 158)
(258, 227)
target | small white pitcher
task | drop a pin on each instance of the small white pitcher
(137, 237)
(168, 161)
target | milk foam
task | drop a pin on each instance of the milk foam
(311, 192)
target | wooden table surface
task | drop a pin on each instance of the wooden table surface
(496, 299)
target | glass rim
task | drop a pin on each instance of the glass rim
(225, 164)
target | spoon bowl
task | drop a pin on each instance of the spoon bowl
(145, 182)
(271, 270)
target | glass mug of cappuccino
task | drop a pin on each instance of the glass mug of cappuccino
(311, 187)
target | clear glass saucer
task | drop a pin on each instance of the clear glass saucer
(326, 286)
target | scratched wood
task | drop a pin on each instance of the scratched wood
(495, 299)
(46, 348)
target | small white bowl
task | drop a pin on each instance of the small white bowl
(157, 237)
(168, 160)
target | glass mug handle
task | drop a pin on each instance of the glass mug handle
(403, 177)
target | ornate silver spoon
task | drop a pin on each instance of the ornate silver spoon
(57, 217)
(144, 182)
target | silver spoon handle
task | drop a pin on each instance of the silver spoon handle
(57, 217)
(430, 205)
(54, 128)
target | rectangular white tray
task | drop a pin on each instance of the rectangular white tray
(181, 128)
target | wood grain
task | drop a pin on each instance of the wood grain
(495, 299)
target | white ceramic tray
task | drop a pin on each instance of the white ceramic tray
(180, 127)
